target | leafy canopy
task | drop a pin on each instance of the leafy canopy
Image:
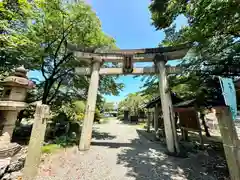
(214, 30)
(37, 34)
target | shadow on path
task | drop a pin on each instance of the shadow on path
(98, 135)
(149, 161)
(113, 144)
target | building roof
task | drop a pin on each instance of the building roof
(187, 103)
(193, 102)
(157, 100)
(179, 103)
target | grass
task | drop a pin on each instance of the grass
(142, 125)
(50, 148)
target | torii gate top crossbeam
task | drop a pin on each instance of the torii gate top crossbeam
(138, 55)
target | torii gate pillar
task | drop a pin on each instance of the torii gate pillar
(86, 134)
(166, 102)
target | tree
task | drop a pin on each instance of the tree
(44, 43)
(108, 106)
(213, 30)
(206, 18)
(133, 102)
(13, 18)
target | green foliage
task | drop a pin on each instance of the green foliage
(65, 141)
(108, 106)
(120, 117)
(69, 111)
(79, 109)
(213, 29)
(133, 103)
(13, 18)
(205, 18)
(58, 143)
(97, 115)
(79, 106)
(50, 148)
(38, 34)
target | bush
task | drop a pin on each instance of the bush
(65, 141)
(80, 117)
(121, 117)
(97, 116)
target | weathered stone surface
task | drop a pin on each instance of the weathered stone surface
(6, 176)
(9, 150)
(12, 176)
(4, 163)
(15, 175)
(17, 162)
(5, 139)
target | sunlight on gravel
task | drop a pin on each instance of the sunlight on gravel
(118, 152)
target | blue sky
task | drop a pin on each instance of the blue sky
(129, 23)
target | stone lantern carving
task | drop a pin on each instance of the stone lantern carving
(12, 100)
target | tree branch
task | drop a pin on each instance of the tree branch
(65, 58)
(42, 68)
(60, 44)
(64, 74)
(56, 91)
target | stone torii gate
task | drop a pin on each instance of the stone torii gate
(157, 55)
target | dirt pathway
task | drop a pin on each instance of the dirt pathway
(118, 152)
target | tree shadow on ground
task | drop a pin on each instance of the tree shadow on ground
(148, 161)
(98, 135)
(113, 145)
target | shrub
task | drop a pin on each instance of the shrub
(65, 141)
(80, 117)
(97, 115)
(121, 117)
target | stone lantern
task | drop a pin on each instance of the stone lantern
(12, 100)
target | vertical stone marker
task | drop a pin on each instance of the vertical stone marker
(86, 134)
(148, 120)
(36, 141)
(230, 141)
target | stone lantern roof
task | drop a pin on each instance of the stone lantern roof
(18, 79)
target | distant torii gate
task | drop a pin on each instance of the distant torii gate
(157, 55)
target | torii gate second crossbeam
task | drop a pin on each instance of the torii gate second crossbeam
(157, 55)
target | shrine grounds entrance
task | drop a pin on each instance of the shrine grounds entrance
(159, 56)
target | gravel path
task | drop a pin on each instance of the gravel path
(120, 153)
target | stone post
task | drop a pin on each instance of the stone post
(86, 133)
(230, 141)
(156, 114)
(148, 120)
(36, 141)
(153, 116)
(166, 103)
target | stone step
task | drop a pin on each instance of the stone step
(9, 150)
